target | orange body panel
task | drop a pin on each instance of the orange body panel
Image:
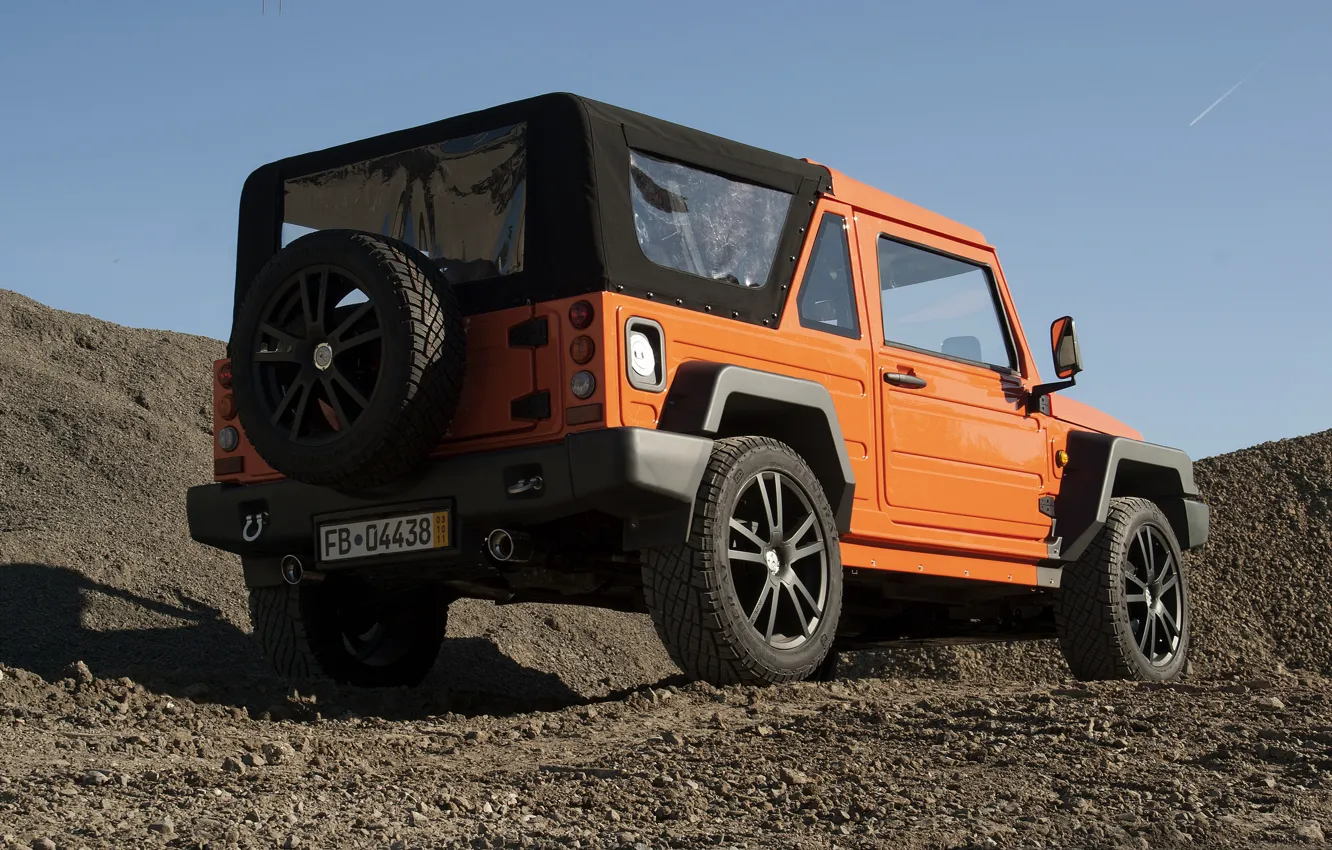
(948, 476)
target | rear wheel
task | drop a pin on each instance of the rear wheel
(755, 594)
(348, 631)
(1123, 609)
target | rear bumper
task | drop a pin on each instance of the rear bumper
(648, 478)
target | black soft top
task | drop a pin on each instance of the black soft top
(580, 233)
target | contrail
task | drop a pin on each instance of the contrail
(1228, 93)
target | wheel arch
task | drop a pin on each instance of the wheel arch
(721, 400)
(1102, 467)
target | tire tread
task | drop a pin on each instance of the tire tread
(683, 590)
(1090, 601)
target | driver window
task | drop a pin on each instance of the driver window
(940, 304)
(827, 299)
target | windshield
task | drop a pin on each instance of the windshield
(706, 224)
(461, 202)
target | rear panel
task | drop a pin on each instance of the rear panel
(518, 386)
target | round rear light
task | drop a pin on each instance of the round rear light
(228, 439)
(224, 375)
(580, 314)
(582, 349)
(226, 406)
(583, 384)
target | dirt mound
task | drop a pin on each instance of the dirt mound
(1263, 584)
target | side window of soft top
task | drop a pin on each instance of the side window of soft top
(827, 299)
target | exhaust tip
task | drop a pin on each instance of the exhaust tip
(504, 545)
(292, 569)
(500, 544)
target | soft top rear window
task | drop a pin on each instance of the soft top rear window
(706, 224)
(461, 202)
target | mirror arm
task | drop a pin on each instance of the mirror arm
(1038, 400)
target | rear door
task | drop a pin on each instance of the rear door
(962, 462)
(498, 375)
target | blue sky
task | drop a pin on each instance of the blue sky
(1192, 257)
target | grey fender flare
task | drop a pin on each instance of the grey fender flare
(723, 400)
(1102, 467)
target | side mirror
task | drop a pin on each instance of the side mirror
(1067, 361)
(1064, 344)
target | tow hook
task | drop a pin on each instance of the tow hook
(292, 569)
(254, 526)
(509, 546)
(526, 485)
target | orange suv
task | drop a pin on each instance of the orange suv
(557, 351)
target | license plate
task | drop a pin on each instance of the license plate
(384, 536)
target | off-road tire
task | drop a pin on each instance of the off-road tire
(1091, 611)
(688, 587)
(422, 362)
(298, 630)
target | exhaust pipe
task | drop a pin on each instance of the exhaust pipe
(509, 546)
(292, 570)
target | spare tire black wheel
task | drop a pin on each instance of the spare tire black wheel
(347, 359)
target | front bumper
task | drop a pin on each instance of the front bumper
(648, 478)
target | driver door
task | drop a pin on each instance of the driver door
(963, 464)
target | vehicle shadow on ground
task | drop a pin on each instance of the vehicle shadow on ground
(209, 660)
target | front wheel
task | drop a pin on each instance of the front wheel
(755, 593)
(349, 631)
(1122, 610)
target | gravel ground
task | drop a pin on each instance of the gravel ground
(135, 710)
(902, 763)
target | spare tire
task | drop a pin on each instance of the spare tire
(347, 359)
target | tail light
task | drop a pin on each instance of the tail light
(228, 439)
(224, 375)
(583, 384)
(582, 349)
(580, 314)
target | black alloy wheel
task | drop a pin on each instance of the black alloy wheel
(1122, 610)
(755, 594)
(1154, 591)
(779, 560)
(350, 631)
(318, 355)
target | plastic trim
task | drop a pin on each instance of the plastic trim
(638, 382)
(1102, 467)
(636, 474)
(722, 400)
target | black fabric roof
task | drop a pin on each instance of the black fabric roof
(579, 230)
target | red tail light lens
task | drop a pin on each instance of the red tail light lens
(580, 314)
(582, 349)
(224, 375)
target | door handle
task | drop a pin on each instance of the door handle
(901, 379)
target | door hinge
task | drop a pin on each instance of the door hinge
(531, 406)
(532, 333)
